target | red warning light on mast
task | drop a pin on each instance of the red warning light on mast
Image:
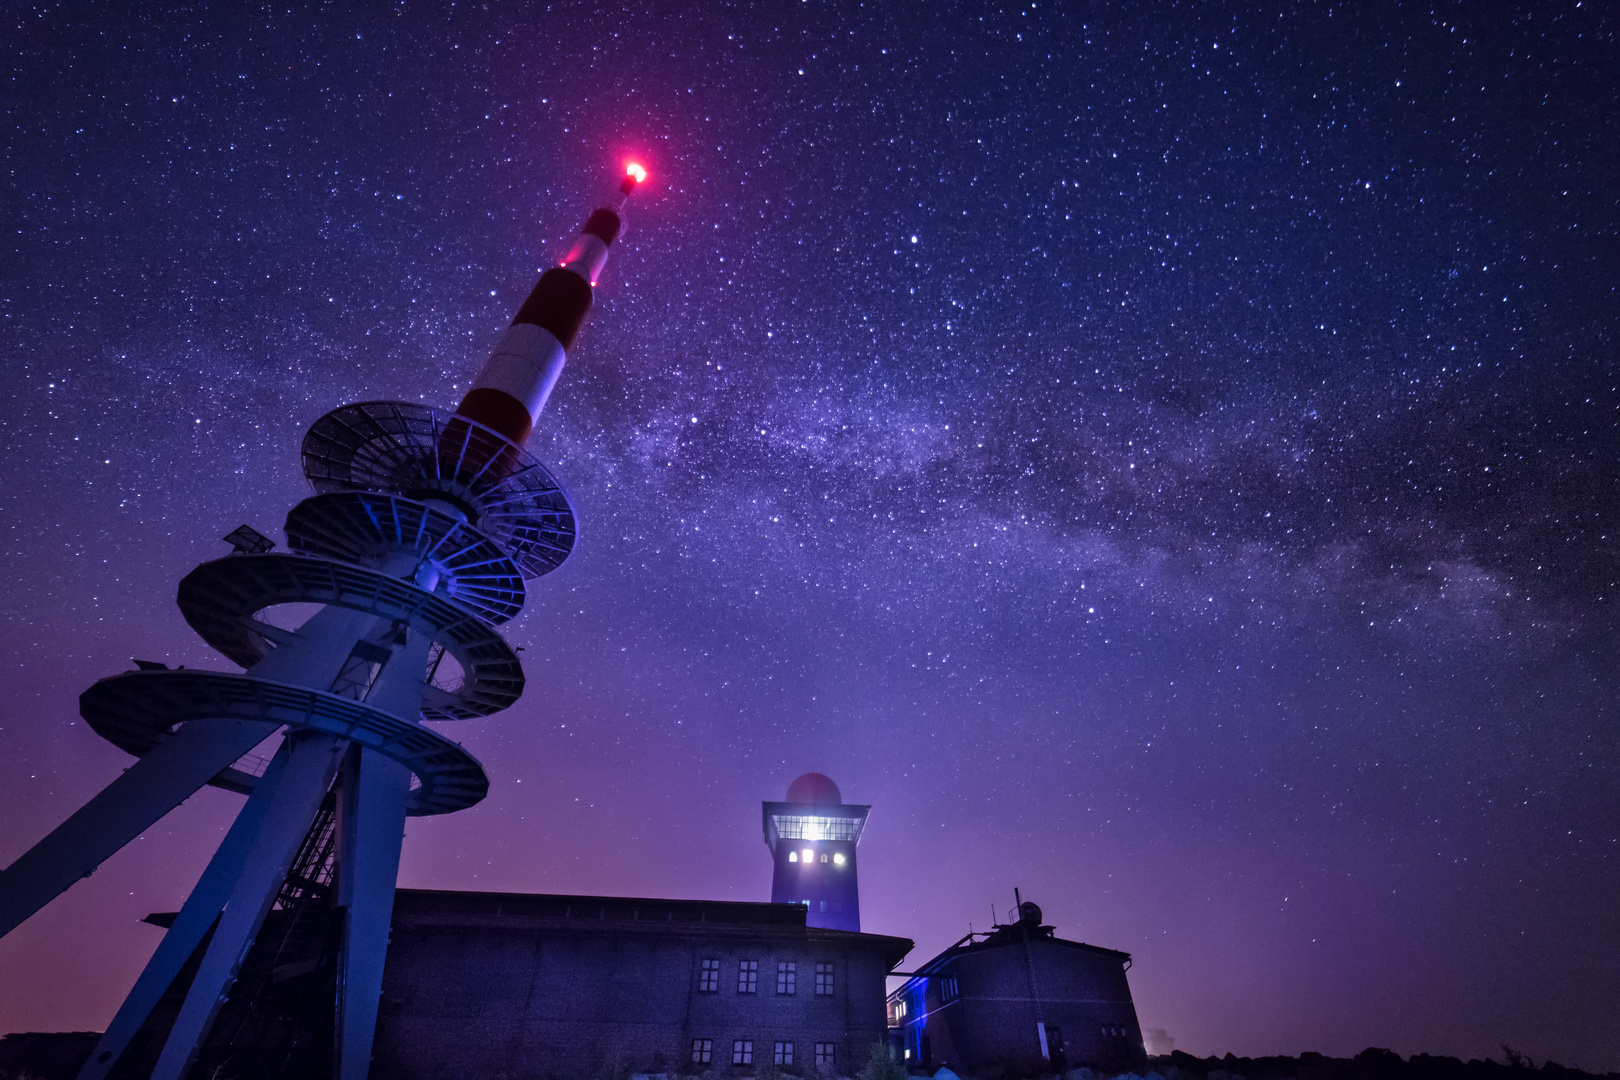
(636, 172)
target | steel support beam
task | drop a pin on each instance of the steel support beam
(312, 762)
(371, 829)
(191, 925)
(125, 808)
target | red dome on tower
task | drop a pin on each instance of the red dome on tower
(814, 789)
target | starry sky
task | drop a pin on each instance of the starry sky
(1161, 456)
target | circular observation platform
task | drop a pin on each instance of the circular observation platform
(422, 453)
(133, 711)
(221, 601)
(367, 527)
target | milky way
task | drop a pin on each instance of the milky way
(1162, 460)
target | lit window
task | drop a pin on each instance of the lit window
(784, 1053)
(742, 1052)
(824, 982)
(702, 1051)
(748, 977)
(797, 827)
(824, 905)
(838, 859)
(908, 1053)
(787, 980)
(793, 856)
(824, 1054)
(709, 977)
(809, 856)
(824, 857)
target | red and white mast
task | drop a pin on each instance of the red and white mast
(519, 376)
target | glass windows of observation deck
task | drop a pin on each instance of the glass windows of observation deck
(806, 827)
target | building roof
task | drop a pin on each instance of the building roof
(629, 914)
(1002, 937)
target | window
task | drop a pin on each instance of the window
(947, 988)
(784, 1053)
(793, 856)
(824, 981)
(787, 981)
(823, 905)
(748, 977)
(801, 827)
(838, 859)
(824, 1054)
(808, 855)
(360, 670)
(702, 1051)
(824, 857)
(742, 1052)
(709, 977)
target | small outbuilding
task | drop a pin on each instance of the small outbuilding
(1019, 1000)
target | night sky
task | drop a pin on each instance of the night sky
(1163, 458)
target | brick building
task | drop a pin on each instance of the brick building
(521, 985)
(1019, 999)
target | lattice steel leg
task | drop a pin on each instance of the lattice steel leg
(312, 762)
(191, 925)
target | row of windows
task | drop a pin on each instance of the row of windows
(787, 977)
(742, 1052)
(945, 986)
(810, 856)
(837, 905)
(796, 827)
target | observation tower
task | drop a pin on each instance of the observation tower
(812, 837)
(417, 544)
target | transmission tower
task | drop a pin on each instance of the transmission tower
(423, 529)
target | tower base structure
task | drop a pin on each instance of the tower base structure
(415, 548)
